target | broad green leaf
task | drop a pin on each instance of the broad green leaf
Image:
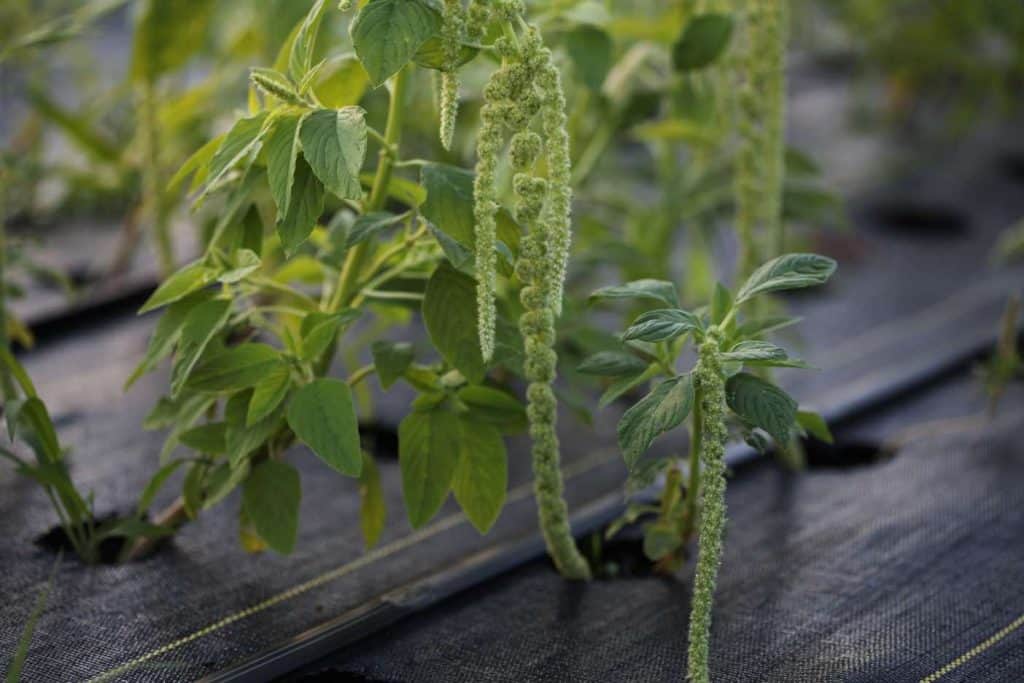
(449, 204)
(705, 37)
(428, 453)
(318, 331)
(242, 438)
(480, 480)
(166, 334)
(323, 416)
(244, 263)
(612, 364)
(342, 82)
(271, 501)
(449, 313)
(268, 393)
(187, 280)
(300, 58)
(234, 369)
(663, 324)
(791, 271)
(656, 290)
(664, 408)
(306, 205)
(240, 143)
(201, 325)
(495, 407)
(334, 144)
(461, 258)
(282, 150)
(590, 49)
(222, 480)
(762, 404)
(391, 359)
(168, 34)
(387, 33)
(752, 352)
(431, 54)
(210, 438)
(372, 509)
(815, 425)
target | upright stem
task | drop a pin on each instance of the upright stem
(712, 523)
(378, 193)
(153, 195)
(777, 17)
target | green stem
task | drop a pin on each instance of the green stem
(151, 180)
(712, 524)
(378, 192)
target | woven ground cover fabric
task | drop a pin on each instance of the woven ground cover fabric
(908, 570)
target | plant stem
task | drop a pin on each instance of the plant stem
(378, 193)
(151, 181)
(712, 524)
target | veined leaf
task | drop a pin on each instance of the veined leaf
(300, 58)
(656, 290)
(480, 480)
(663, 324)
(449, 204)
(323, 416)
(494, 407)
(387, 33)
(304, 209)
(449, 313)
(235, 368)
(282, 148)
(612, 364)
(664, 408)
(268, 393)
(187, 280)
(759, 326)
(166, 334)
(428, 455)
(431, 54)
(591, 50)
(391, 359)
(762, 404)
(790, 271)
(334, 144)
(705, 37)
(201, 325)
(241, 141)
(752, 352)
(210, 438)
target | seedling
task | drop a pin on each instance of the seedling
(716, 391)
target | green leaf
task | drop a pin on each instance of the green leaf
(622, 386)
(323, 416)
(387, 33)
(166, 334)
(268, 393)
(815, 425)
(590, 49)
(244, 263)
(449, 313)
(494, 407)
(721, 304)
(187, 280)
(243, 439)
(661, 410)
(300, 58)
(449, 204)
(271, 501)
(198, 163)
(657, 290)
(201, 325)
(661, 540)
(241, 142)
(210, 438)
(761, 353)
(791, 271)
(428, 453)
(318, 331)
(334, 144)
(761, 404)
(704, 39)
(663, 324)
(224, 479)
(38, 428)
(234, 369)
(307, 203)
(612, 364)
(282, 150)
(480, 481)
(372, 510)
(391, 359)
(431, 54)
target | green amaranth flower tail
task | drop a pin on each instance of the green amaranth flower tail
(710, 386)
(452, 30)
